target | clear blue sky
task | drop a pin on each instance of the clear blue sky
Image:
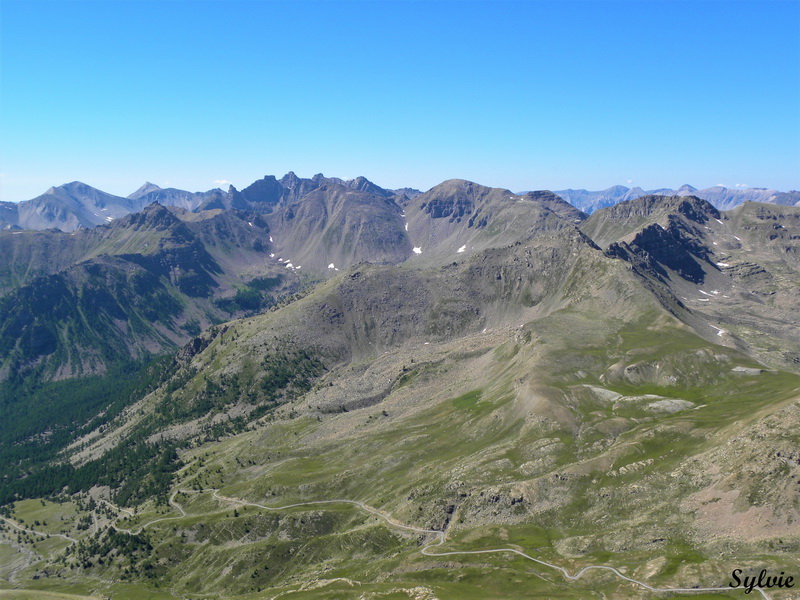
(523, 95)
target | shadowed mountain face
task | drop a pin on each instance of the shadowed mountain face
(730, 269)
(74, 304)
(615, 389)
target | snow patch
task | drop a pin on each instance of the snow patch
(460, 250)
(417, 250)
(720, 222)
(272, 256)
(703, 300)
(249, 223)
(738, 238)
(406, 225)
(109, 219)
(270, 238)
(331, 266)
(289, 265)
(719, 331)
(723, 265)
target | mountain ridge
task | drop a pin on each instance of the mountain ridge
(76, 204)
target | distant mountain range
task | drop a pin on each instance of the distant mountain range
(73, 205)
(721, 197)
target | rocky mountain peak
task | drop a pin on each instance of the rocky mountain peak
(290, 180)
(143, 190)
(264, 191)
(153, 216)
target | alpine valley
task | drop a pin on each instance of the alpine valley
(320, 388)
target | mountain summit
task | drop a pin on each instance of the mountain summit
(144, 190)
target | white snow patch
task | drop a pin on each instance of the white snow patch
(417, 250)
(406, 225)
(270, 238)
(289, 265)
(426, 343)
(715, 292)
(272, 256)
(719, 331)
(102, 209)
(703, 300)
(738, 238)
(331, 266)
(298, 267)
(464, 247)
(720, 222)
(706, 293)
(109, 219)
(723, 265)
(249, 223)
(715, 243)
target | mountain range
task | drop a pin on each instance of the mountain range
(323, 389)
(76, 204)
(721, 197)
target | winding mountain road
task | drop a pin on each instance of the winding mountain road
(440, 538)
(440, 535)
(159, 520)
(39, 533)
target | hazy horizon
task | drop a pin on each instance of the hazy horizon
(224, 186)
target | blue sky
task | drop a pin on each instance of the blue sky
(523, 95)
